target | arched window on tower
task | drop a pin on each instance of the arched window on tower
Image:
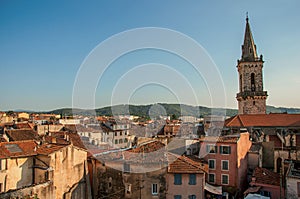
(252, 82)
(241, 82)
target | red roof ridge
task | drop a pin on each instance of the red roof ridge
(240, 119)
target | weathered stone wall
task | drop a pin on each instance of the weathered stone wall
(252, 106)
(252, 99)
(68, 169)
(44, 190)
(246, 69)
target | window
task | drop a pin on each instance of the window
(120, 132)
(47, 175)
(211, 178)
(225, 179)
(116, 141)
(177, 179)
(252, 82)
(212, 164)
(126, 167)
(128, 189)
(177, 197)
(192, 179)
(154, 189)
(1, 185)
(116, 133)
(225, 165)
(192, 196)
(225, 149)
(211, 148)
(125, 140)
(120, 141)
(241, 82)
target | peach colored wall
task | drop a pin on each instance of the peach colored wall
(243, 146)
(185, 189)
(232, 172)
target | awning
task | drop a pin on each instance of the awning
(213, 189)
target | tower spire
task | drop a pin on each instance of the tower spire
(248, 48)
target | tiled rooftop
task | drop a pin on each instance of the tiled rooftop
(47, 149)
(21, 134)
(265, 176)
(62, 137)
(18, 149)
(226, 139)
(186, 164)
(264, 120)
(24, 125)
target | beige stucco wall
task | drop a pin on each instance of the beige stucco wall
(42, 129)
(68, 169)
(23, 115)
(17, 174)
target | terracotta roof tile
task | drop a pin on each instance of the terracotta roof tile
(148, 147)
(264, 120)
(18, 149)
(265, 176)
(151, 152)
(22, 134)
(25, 125)
(78, 128)
(65, 137)
(223, 139)
(186, 164)
(47, 149)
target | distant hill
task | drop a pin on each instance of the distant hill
(170, 109)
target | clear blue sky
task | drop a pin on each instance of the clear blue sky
(43, 44)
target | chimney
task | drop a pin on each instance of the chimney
(53, 140)
(188, 151)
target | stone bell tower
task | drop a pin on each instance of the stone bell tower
(251, 97)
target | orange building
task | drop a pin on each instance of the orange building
(227, 161)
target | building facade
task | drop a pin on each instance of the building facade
(185, 177)
(227, 161)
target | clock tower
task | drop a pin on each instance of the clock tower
(251, 97)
